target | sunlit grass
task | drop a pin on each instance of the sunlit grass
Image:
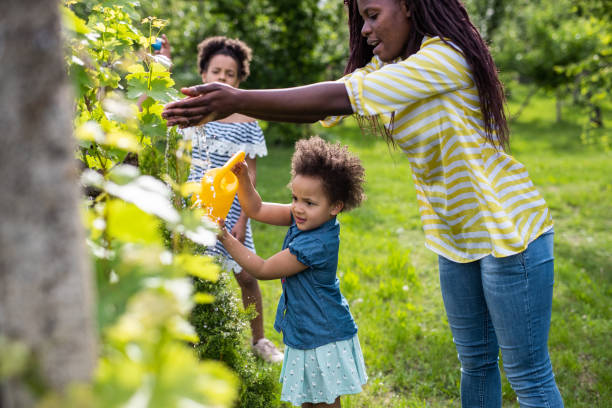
(391, 280)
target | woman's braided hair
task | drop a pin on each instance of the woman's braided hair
(449, 20)
(339, 170)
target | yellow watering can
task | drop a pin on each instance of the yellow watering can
(218, 188)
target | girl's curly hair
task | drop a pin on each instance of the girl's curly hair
(231, 47)
(340, 171)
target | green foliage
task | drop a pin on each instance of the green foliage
(138, 230)
(487, 15)
(593, 72)
(563, 46)
(541, 36)
(220, 326)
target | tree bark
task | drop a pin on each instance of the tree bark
(559, 105)
(46, 288)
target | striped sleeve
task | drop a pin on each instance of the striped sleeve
(253, 140)
(437, 68)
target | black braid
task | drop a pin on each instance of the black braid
(449, 20)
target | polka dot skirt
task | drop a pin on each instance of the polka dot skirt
(324, 373)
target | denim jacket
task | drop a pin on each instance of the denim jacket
(311, 311)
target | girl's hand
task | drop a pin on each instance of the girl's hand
(239, 231)
(204, 103)
(165, 48)
(240, 169)
(222, 234)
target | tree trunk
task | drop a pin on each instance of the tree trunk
(559, 105)
(524, 104)
(595, 117)
(46, 296)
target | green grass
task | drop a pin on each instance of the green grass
(391, 280)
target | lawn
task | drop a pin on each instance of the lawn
(391, 281)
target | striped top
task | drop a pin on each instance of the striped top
(474, 200)
(212, 146)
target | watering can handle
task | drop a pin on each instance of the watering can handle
(235, 159)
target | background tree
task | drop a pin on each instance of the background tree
(45, 280)
(560, 46)
(487, 15)
(593, 72)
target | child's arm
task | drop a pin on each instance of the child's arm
(253, 206)
(280, 265)
(239, 230)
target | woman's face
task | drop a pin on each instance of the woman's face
(222, 68)
(386, 26)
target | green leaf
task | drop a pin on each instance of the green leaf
(128, 223)
(137, 86)
(90, 131)
(161, 90)
(122, 140)
(73, 22)
(135, 69)
(197, 265)
(124, 174)
(203, 298)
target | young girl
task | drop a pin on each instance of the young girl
(323, 358)
(226, 61)
(421, 68)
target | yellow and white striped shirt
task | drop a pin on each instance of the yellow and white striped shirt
(474, 200)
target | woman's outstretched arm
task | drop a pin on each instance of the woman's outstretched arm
(304, 104)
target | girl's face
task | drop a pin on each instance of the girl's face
(310, 206)
(222, 68)
(386, 26)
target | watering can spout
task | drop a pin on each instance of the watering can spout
(218, 188)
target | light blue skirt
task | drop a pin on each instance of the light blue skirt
(322, 374)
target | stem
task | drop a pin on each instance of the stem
(101, 160)
(524, 104)
(150, 52)
(106, 239)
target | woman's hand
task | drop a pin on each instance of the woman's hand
(204, 103)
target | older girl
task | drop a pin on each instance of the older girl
(226, 61)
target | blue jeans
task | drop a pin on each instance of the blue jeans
(503, 303)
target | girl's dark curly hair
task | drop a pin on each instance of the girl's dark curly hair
(234, 48)
(449, 20)
(340, 171)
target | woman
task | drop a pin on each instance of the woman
(421, 68)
